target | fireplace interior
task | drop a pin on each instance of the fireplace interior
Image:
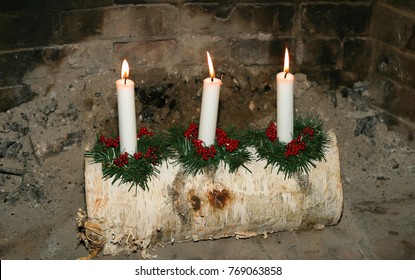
(353, 62)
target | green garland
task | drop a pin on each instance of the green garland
(181, 145)
(135, 169)
(307, 147)
(195, 157)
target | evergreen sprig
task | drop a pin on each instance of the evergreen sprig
(134, 169)
(190, 155)
(308, 146)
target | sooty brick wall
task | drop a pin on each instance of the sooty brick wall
(340, 42)
(172, 36)
(393, 71)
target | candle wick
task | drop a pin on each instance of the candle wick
(125, 81)
(285, 76)
(211, 79)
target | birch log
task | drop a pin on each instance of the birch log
(179, 208)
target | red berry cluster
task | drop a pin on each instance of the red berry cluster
(294, 147)
(121, 160)
(271, 132)
(205, 152)
(151, 154)
(138, 155)
(297, 145)
(109, 142)
(223, 140)
(192, 131)
(144, 131)
(308, 131)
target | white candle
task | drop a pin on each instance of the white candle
(126, 112)
(285, 103)
(209, 108)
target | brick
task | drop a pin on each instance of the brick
(337, 20)
(86, 58)
(51, 55)
(79, 25)
(274, 18)
(194, 49)
(235, 20)
(258, 52)
(198, 18)
(14, 96)
(27, 68)
(139, 21)
(316, 73)
(149, 54)
(338, 77)
(397, 99)
(393, 27)
(357, 55)
(52, 5)
(14, 65)
(154, 20)
(401, 4)
(248, 1)
(79, 4)
(394, 65)
(250, 52)
(216, 19)
(321, 52)
(410, 45)
(26, 30)
(223, 11)
(136, 2)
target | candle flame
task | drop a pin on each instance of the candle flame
(125, 70)
(211, 70)
(286, 61)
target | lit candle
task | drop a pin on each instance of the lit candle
(209, 108)
(126, 112)
(285, 103)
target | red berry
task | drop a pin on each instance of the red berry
(192, 131)
(144, 131)
(138, 155)
(271, 132)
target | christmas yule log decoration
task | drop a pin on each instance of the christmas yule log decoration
(247, 183)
